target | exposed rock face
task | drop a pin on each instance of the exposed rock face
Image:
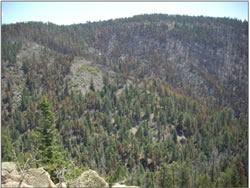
(10, 176)
(14, 184)
(89, 178)
(38, 178)
(9, 168)
(61, 185)
(33, 177)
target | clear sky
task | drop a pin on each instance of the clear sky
(80, 12)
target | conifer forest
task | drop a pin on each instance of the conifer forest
(151, 100)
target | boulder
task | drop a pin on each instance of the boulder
(38, 177)
(61, 185)
(89, 178)
(16, 178)
(10, 175)
(9, 168)
(11, 183)
(118, 185)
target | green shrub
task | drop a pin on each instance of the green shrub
(88, 68)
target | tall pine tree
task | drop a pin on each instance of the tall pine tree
(49, 150)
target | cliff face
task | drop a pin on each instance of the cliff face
(202, 56)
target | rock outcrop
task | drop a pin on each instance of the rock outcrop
(32, 177)
(61, 185)
(11, 177)
(89, 178)
(118, 185)
(9, 168)
(12, 184)
(38, 177)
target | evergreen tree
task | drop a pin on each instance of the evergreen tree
(185, 180)
(175, 136)
(47, 132)
(235, 177)
(179, 127)
(137, 114)
(6, 146)
(49, 150)
(92, 86)
(166, 177)
(204, 181)
(149, 180)
(187, 125)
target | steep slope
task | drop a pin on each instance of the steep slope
(203, 56)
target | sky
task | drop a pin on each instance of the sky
(65, 13)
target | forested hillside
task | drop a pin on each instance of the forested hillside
(152, 100)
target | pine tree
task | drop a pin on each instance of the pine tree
(137, 114)
(7, 154)
(47, 132)
(166, 177)
(175, 136)
(149, 180)
(179, 127)
(49, 150)
(204, 181)
(92, 86)
(184, 176)
(235, 177)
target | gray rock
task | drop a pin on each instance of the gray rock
(32, 177)
(11, 183)
(38, 177)
(118, 185)
(61, 185)
(9, 168)
(89, 178)
(6, 177)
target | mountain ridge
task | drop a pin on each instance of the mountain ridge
(208, 53)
